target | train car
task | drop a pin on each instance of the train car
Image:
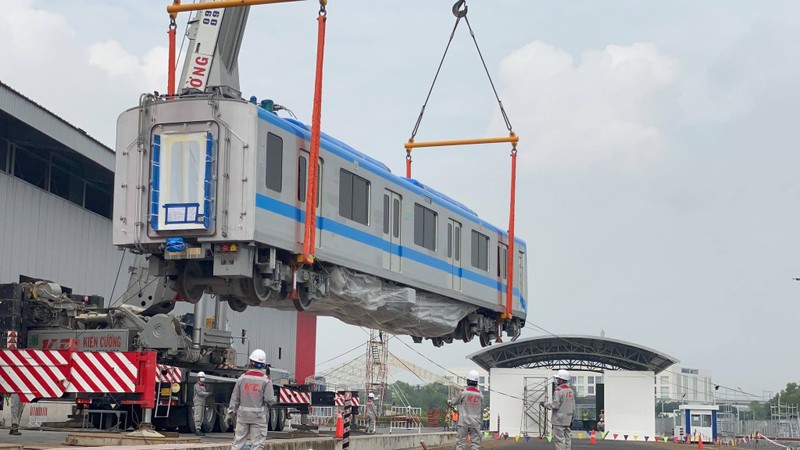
(214, 190)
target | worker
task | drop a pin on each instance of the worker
(563, 407)
(251, 397)
(16, 414)
(372, 414)
(409, 420)
(486, 418)
(585, 419)
(470, 403)
(199, 402)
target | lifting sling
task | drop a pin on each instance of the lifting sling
(460, 12)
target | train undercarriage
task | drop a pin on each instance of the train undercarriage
(267, 277)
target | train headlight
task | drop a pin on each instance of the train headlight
(176, 388)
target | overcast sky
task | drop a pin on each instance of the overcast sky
(657, 157)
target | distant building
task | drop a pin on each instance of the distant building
(684, 385)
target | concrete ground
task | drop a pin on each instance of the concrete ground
(577, 444)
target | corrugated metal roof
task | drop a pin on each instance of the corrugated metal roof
(38, 117)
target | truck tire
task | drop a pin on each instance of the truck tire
(210, 416)
(221, 422)
(272, 420)
(281, 422)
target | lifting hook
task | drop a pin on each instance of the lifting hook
(460, 9)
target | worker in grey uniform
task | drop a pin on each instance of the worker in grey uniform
(470, 406)
(563, 407)
(372, 413)
(251, 397)
(199, 402)
(16, 414)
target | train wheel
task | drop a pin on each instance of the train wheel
(236, 304)
(463, 332)
(303, 300)
(484, 339)
(254, 291)
(187, 287)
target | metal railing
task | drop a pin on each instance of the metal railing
(404, 418)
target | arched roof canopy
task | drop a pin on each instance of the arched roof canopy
(572, 352)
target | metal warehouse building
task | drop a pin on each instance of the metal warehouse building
(56, 191)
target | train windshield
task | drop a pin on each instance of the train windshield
(181, 181)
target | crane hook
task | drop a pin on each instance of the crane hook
(460, 9)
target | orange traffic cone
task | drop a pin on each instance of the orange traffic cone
(468, 439)
(339, 425)
(700, 442)
(593, 439)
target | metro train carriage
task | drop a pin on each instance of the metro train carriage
(213, 189)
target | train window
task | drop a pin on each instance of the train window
(353, 197)
(449, 240)
(274, 162)
(458, 243)
(480, 251)
(425, 227)
(502, 261)
(385, 214)
(301, 178)
(396, 217)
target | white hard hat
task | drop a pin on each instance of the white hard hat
(201, 374)
(563, 375)
(473, 375)
(371, 395)
(258, 356)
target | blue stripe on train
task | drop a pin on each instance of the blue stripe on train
(292, 212)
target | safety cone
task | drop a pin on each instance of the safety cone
(593, 439)
(700, 442)
(468, 439)
(339, 425)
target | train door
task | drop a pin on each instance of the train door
(454, 253)
(392, 215)
(302, 186)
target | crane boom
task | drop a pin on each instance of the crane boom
(215, 37)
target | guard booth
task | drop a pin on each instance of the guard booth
(699, 422)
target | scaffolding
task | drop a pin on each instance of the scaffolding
(534, 417)
(786, 419)
(377, 368)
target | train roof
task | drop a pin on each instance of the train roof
(334, 145)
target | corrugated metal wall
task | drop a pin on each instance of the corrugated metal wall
(45, 236)
(268, 329)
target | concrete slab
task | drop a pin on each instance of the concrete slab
(117, 439)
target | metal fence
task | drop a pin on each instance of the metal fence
(405, 418)
(783, 428)
(729, 427)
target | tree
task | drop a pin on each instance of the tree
(428, 396)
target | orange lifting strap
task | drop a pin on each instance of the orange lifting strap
(171, 57)
(460, 12)
(310, 236)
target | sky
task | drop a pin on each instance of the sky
(656, 166)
